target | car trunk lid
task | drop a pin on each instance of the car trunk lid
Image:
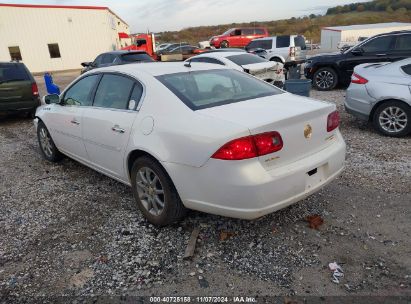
(301, 122)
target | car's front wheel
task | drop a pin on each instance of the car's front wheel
(224, 44)
(47, 146)
(154, 192)
(325, 79)
(393, 119)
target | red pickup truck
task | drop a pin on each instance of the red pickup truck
(238, 37)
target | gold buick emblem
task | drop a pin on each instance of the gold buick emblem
(308, 131)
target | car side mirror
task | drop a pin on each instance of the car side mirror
(52, 98)
(86, 64)
(357, 51)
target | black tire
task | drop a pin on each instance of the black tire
(173, 209)
(224, 44)
(325, 79)
(49, 151)
(386, 124)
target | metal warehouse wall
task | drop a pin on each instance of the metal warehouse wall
(353, 35)
(80, 33)
(330, 39)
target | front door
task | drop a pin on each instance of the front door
(65, 125)
(107, 126)
(375, 50)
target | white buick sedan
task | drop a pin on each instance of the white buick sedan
(197, 136)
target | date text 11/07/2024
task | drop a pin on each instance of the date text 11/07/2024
(203, 300)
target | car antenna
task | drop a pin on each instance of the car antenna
(188, 64)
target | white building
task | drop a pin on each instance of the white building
(331, 36)
(55, 37)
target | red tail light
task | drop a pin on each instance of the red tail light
(34, 89)
(250, 147)
(333, 121)
(355, 78)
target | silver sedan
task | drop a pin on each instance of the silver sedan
(381, 93)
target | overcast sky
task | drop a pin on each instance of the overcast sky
(162, 15)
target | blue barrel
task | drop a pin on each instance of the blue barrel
(300, 87)
(50, 86)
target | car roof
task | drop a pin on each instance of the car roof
(157, 68)
(392, 33)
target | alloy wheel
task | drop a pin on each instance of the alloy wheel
(150, 191)
(324, 79)
(45, 142)
(393, 119)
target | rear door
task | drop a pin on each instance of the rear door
(108, 124)
(65, 123)
(15, 87)
(402, 47)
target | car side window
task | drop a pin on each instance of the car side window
(80, 93)
(380, 44)
(135, 97)
(97, 61)
(407, 69)
(403, 43)
(259, 31)
(248, 32)
(113, 92)
(237, 32)
(283, 41)
(266, 44)
(107, 58)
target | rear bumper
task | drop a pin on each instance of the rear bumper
(358, 102)
(19, 106)
(244, 189)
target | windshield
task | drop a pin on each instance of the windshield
(136, 57)
(245, 59)
(12, 71)
(226, 33)
(211, 88)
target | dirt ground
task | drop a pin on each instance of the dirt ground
(68, 230)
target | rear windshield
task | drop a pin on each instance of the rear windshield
(245, 59)
(300, 41)
(211, 88)
(135, 57)
(12, 71)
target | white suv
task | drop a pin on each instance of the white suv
(289, 49)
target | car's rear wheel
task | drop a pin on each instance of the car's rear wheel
(392, 118)
(325, 79)
(47, 147)
(224, 44)
(154, 192)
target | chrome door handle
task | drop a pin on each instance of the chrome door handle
(117, 129)
(380, 55)
(74, 121)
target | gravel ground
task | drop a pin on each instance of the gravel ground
(68, 230)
